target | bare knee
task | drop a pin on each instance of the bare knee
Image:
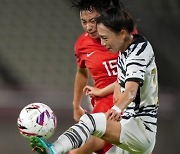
(113, 130)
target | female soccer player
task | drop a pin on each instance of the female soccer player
(131, 123)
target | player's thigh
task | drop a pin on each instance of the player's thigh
(93, 144)
(135, 137)
(113, 130)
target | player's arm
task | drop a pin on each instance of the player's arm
(81, 79)
(123, 99)
(117, 92)
(129, 94)
(93, 91)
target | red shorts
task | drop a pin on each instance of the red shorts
(102, 105)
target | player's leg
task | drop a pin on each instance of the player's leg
(112, 133)
(131, 135)
(95, 144)
(78, 134)
(103, 105)
(136, 137)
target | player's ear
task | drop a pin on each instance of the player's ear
(123, 33)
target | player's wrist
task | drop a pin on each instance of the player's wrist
(116, 108)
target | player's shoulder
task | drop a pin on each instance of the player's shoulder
(84, 43)
(141, 47)
(84, 38)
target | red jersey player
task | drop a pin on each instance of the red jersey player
(101, 65)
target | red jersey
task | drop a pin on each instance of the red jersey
(100, 62)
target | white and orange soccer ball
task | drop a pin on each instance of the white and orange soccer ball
(37, 119)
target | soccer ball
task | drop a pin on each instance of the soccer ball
(37, 119)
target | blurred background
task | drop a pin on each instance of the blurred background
(37, 64)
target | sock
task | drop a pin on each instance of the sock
(78, 134)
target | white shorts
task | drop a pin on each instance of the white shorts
(135, 138)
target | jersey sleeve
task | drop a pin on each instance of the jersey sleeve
(80, 62)
(137, 62)
(79, 52)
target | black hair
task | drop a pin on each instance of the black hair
(116, 19)
(98, 5)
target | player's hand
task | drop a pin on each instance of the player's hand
(78, 112)
(113, 115)
(92, 91)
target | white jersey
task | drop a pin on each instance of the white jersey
(137, 64)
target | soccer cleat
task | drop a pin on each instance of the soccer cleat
(40, 146)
